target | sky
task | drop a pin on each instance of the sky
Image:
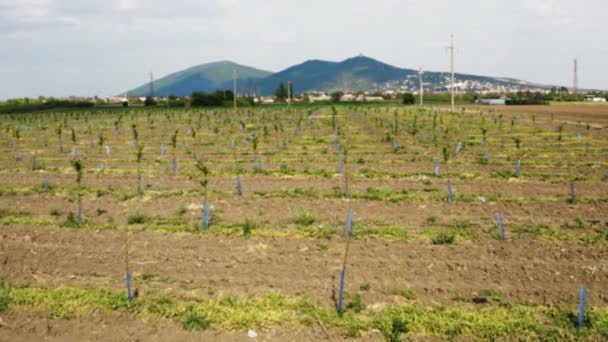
(95, 47)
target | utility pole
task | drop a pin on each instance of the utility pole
(151, 85)
(451, 48)
(420, 72)
(289, 93)
(234, 86)
(575, 85)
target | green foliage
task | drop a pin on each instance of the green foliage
(137, 218)
(79, 168)
(149, 101)
(134, 131)
(503, 174)
(491, 322)
(55, 212)
(383, 193)
(217, 98)
(305, 219)
(193, 320)
(401, 288)
(101, 140)
(281, 92)
(432, 219)
(444, 238)
(446, 154)
(408, 99)
(355, 303)
(174, 139)
(70, 221)
(139, 154)
(249, 226)
(284, 169)
(254, 142)
(5, 297)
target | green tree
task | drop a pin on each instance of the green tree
(408, 99)
(336, 96)
(291, 95)
(281, 92)
(150, 101)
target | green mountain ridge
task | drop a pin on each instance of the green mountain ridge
(204, 77)
(358, 73)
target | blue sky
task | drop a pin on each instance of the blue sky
(86, 47)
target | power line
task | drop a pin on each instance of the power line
(575, 83)
(420, 72)
(234, 76)
(151, 85)
(451, 48)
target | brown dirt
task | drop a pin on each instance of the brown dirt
(523, 271)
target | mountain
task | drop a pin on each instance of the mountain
(359, 73)
(362, 73)
(205, 77)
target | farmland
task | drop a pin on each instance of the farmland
(87, 196)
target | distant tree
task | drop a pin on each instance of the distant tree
(150, 101)
(227, 95)
(336, 96)
(291, 94)
(408, 99)
(281, 92)
(200, 99)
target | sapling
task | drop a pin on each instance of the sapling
(135, 134)
(446, 157)
(254, 142)
(174, 144)
(484, 132)
(101, 141)
(345, 172)
(517, 141)
(73, 136)
(58, 132)
(347, 235)
(79, 168)
(139, 154)
(204, 170)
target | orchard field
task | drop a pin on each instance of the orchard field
(87, 197)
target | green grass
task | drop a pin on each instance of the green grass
(444, 238)
(305, 219)
(401, 288)
(137, 218)
(193, 320)
(489, 322)
(249, 226)
(5, 296)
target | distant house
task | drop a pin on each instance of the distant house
(595, 99)
(321, 97)
(493, 102)
(348, 98)
(373, 98)
(117, 99)
(265, 100)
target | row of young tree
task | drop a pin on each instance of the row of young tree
(24, 105)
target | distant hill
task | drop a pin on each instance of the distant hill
(357, 73)
(353, 74)
(205, 77)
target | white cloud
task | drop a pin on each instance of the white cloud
(120, 41)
